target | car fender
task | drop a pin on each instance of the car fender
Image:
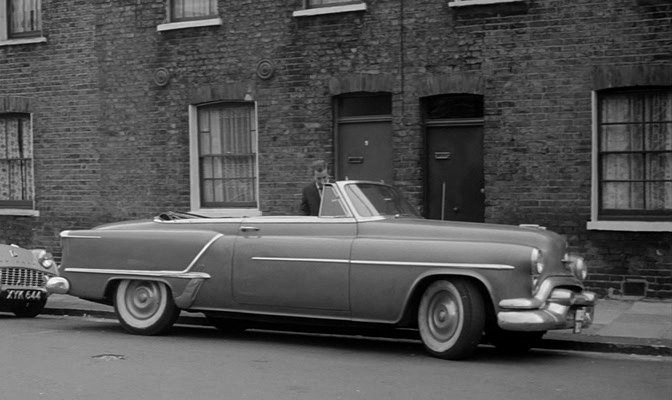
(94, 260)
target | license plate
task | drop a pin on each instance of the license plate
(23, 294)
(578, 320)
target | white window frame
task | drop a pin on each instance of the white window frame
(25, 212)
(5, 40)
(195, 178)
(334, 9)
(612, 225)
(170, 25)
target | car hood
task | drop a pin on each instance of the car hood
(425, 229)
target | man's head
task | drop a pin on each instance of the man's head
(320, 172)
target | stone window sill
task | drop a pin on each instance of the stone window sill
(464, 3)
(630, 226)
(18, 212)
(171, 26)
(16, 42)
(329, 10)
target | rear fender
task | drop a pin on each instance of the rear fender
(94, 261)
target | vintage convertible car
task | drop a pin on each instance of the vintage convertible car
(366, 259)
(23, 278)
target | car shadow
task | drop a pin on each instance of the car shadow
(394, 344)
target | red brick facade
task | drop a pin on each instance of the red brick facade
(111, 139)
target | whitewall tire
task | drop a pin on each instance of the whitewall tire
(145, 307)
(451, 318)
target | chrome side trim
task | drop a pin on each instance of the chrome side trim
(396, 263)
(200, 253)
(133, 272)
(67, 234)
(435, 264)
(313, 260)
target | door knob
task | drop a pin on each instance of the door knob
(456, 209)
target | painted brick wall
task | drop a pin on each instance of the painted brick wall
(111, 144)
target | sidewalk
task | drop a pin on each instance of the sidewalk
(641, 327)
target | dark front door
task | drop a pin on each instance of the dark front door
(455, 173)
(365, 150)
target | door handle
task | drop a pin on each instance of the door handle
(456, 209)
(249, 229)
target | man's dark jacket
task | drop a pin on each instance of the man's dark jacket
(310, 201)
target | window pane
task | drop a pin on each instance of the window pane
(623, 195)
(659, 166)
(621, 138)
(375, 104)
(193, 9)
(659, 196)
(454, 106)
(659, 137)
(228, 155)
(25, 17)
(624, 107)
(622, 167)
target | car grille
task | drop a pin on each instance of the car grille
(21, 277)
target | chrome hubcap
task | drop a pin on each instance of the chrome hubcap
(143, 299)
(444, 316)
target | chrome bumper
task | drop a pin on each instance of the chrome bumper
(560, 309)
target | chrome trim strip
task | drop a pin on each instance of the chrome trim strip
(200, 253)
(67, 234)
(396, 263)
(435, 264)
(154, 274)
(314, 260)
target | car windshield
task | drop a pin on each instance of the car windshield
(372, 200)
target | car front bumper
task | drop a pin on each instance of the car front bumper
(552, 308)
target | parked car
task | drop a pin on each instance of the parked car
(368, 259)
(23, 278)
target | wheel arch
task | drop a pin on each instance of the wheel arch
(410, 312)
(113, 282)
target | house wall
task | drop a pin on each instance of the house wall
(111, 143)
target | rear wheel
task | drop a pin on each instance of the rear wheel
(451, 317)
(145, 307)
(29, 310)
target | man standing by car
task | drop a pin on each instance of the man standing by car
(312, 193)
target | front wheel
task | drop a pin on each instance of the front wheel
(145, 307)
(451, 317)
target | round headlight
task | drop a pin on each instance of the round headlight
(537, 260)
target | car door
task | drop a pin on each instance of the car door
(295, 264)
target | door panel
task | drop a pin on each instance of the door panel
(455, 173)
(365, 151)
(294, 264)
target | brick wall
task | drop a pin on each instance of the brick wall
(111, 144)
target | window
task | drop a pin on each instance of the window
(634, 154)
(224, 160)
(16, 162)
(182, 14)
(186, 10)
(20, 21)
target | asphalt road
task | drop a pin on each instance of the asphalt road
(83, 358)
